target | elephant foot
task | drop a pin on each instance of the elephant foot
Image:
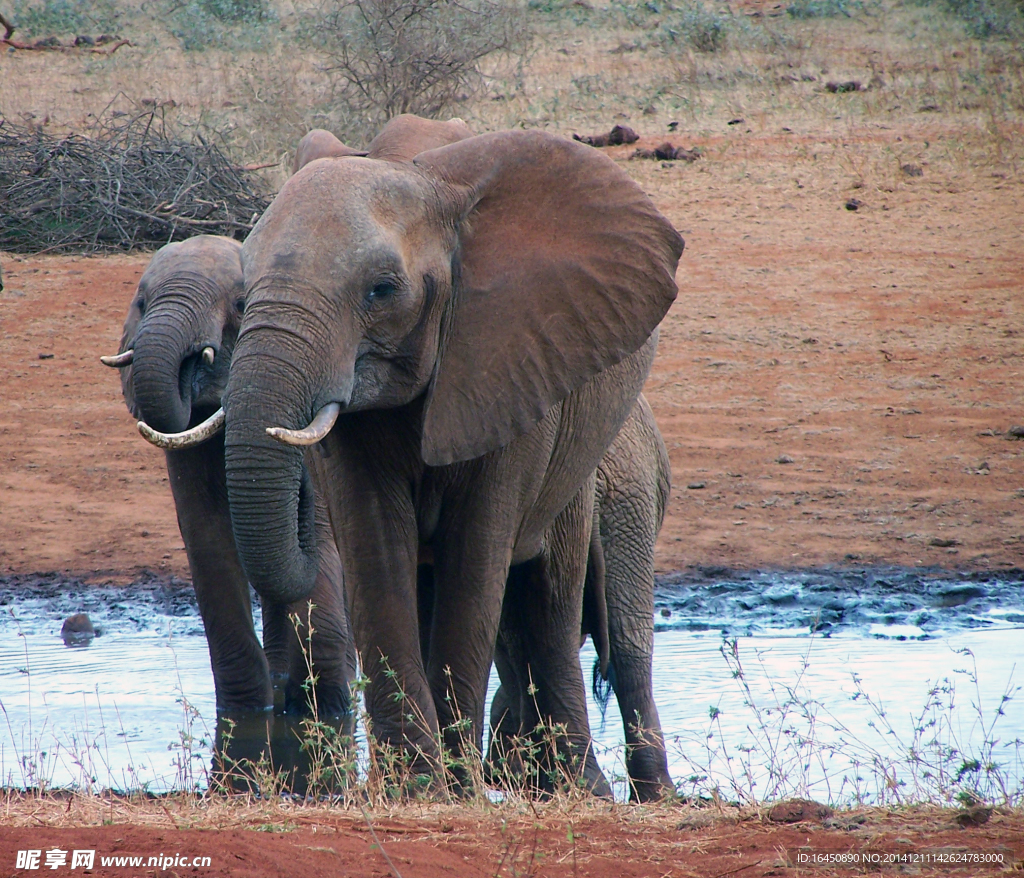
(651, 791)
(544, 767)
(647, 766)
(266, 755)
(323, 701)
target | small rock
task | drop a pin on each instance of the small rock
(666, 613)
(941, 542)
(797, 811)
(672, 126)
(844, 87)
(47, 43)
(853, 204)
(77, 630)
(668, 153)
(83, 40)
(619, 135)
(46, 356)
(912, 170)
(735, 121)
(696, 486)
(784, 458)
(976, 815)
(1015, 432)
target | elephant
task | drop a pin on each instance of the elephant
(631, 495)
(463, 331)
(176, 345)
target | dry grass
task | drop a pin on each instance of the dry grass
(587, 68)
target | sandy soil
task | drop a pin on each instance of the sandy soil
(440, 841)
(835, 386)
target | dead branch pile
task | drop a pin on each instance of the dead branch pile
(130, 185)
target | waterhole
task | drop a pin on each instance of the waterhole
(866, 686)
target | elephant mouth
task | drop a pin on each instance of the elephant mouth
(199, 385)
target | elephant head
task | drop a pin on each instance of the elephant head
(180, 331)
(476, 285)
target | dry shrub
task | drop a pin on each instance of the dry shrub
(386, 57)
(129, 185)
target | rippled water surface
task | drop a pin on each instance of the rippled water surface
(743, 685)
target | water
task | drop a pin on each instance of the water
(754, 705)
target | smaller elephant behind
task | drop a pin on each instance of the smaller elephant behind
(630, 498)
(174, 355)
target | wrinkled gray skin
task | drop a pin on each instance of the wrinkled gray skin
(632, 488)
(190, 297)
(485, 317)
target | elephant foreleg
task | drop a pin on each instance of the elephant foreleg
(240, 671)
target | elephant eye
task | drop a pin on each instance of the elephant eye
(240, 306)
(141, 305)
(381, 290)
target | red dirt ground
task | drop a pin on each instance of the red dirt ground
(641, 843)
(877, 351)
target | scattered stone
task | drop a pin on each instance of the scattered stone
(976, 815)
(77, 630)
(838, 88)
(46, 356)
(854, 204)
(912, 170)
(735, 121)
(942, 542)
(928, 108)
(1015, 432)
(619, 135)
(672, 126)
(668, 153)
(696, 486)
(83, 40)
(784, 458)
(47, 43)
(797, 811)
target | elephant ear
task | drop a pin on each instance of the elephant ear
(565, 267)
(406, 136)
(320, 144)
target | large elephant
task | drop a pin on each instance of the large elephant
(632, 488)
(464, 333)
(176, 345)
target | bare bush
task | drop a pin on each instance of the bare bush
(131, 185)
(387, 57)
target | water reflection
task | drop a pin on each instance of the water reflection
(830, 717)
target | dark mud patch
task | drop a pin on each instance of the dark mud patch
(878, 602)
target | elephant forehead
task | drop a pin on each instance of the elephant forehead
(332, 212)
(213, 258)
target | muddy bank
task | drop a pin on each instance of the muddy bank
(891, 602)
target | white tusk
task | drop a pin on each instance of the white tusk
(119, 360)
(208, 355)
(319, 427)
(196, 436)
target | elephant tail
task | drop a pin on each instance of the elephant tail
(595, 602)
(603, 684)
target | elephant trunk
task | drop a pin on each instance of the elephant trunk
(161, 379)
(269, 488)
